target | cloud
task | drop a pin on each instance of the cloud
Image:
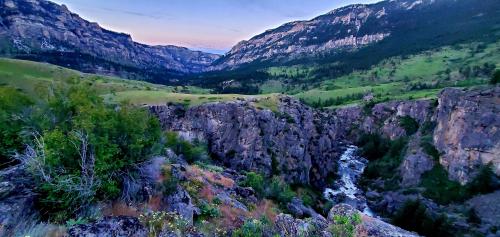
(152, 15)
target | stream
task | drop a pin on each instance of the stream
(345, 189)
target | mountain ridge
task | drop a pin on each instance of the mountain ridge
(45, 30)
(348, 29)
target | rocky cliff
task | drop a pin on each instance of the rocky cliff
(387, 28)
(46, 31)
(294, 141)
(468, 131)
(304, 144)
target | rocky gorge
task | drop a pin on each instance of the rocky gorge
(305, 145)
(301, 146)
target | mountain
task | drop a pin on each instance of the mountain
(44, 31)
(365, 34)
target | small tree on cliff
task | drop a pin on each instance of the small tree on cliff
(495, 79)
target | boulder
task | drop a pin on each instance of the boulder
(120, 226)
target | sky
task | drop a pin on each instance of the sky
(207, 25)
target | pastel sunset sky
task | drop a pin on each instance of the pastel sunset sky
(207, 25)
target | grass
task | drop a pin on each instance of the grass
(402, 78)
(30, 77)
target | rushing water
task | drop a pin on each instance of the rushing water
(345, 190)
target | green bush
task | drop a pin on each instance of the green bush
(484, 182)
(12, 104)
(344, 226)
(409, 124)
(414, 216)
(84, 146)
(209, 211)
(170, 183)
(495, 78)
(391, 153)
(440, 188)
(254, 228)
(373, 147)
(429, 148)
(255, 181)
(280, 191)
(192, 152)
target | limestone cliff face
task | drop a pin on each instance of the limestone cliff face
(468, 131)
(40, 29)
(304, 144)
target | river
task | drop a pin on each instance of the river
(345, 189)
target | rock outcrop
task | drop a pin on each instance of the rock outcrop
(304, 144)
(17, 200)
(468, 131)
(42, 30)
(369, 226)
(293, 141)
(121, 226)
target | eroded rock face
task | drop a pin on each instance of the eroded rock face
(17, 200)
(304, 144)
(44, 30)
(121, 226)
(294, 141)
(468, 131)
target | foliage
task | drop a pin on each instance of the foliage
(280, 191)
(385, 156)
(344, 226)
(414, 216)
(440, 188)
(255, 181)
(209, 211)
(12, 104)
(155, 222)
(191, 152)
(495, 78)
(473, 217)
(484, 182)
(254, 228)
(81, 146)
(429, 148)
(170, 183)
(409, 124)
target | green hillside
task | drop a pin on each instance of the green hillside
(30, 77)
(413, 77)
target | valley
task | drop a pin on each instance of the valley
(377, 120)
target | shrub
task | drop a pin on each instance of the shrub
(82, 146)
(345, 226)
(209, 211)
(12, 104)
(170, 183)
(484, 182)
(255, 181)
(440, 188)
(373, 147)
(280, 191)
(495, 78)
(429, 148)
(414, 216)
(409, 124)
(192, 152)
(387, 158)
(254, 228)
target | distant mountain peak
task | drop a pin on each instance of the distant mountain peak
(42, 30)
(350, 28)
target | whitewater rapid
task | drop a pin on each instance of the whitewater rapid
(345, 190)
